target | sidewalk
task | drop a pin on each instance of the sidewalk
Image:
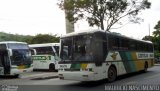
(157, 64)
(40, 75)
(45, 77)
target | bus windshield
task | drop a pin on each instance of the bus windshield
(47, 50)
(17, 46)
(21, 56)
(76, 48)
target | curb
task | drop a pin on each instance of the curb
(44, 78)
(156, 64)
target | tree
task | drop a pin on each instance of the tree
(103, 13)
(44, 38)
(157, 32)
(148, 38)
(15, 37)
(155, 39)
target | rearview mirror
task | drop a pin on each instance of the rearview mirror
(33, 52)
(10, 52)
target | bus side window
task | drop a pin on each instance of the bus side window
(113, 43)
(1, 59)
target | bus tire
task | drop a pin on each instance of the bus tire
(52, 67)
(112, 74)
(145, 67)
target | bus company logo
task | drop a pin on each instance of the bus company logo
(145, 55)
(114, 56)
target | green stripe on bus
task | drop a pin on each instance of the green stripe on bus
(123, 56)
(131, 62)
(128, 62)
(27, 66)
(128, 56)
(75, 66)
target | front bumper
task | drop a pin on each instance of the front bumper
(19, 71)
(78, 76)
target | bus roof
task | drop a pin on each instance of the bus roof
(101, 31)
(81, 33)
(44, 44)
(5, 42)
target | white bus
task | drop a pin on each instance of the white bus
(96, 54)
(45, 56)
(15, 58)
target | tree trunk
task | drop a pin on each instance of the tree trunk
(101, 23)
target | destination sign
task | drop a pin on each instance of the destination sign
(145, 55)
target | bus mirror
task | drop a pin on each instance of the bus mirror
(10, 52)
(56, 58)
(33, 51)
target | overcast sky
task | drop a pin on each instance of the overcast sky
(31, 17)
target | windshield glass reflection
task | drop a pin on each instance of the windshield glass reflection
(21, 56)
(77, 48)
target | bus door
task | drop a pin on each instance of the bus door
(4, 61)
(1, 66)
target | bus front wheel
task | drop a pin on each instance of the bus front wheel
(112, 74)
(145, 67)
(52, 67)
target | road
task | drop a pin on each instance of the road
(34, 82)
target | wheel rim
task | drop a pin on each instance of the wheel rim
(111, 74)
(52, 67)
(145, 68)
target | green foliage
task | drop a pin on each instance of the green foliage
(40, 38)
(157, 54)
(157, 32)
(16, 37)
(103, 13)
(44, 38)
(148, 38)
(155, 39)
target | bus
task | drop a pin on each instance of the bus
(96, 54)
(45, 56)
(15, 58)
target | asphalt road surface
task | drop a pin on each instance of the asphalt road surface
(48, 81)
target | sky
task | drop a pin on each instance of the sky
(31, 17)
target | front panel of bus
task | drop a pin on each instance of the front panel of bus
(80, 56)
(46, 57)
(20, 57)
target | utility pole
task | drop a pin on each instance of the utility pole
(149, 37)
(69, 25)
(149, 29)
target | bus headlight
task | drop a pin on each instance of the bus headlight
(88, 69)
(60, 69)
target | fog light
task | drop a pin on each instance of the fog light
(87, 69)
